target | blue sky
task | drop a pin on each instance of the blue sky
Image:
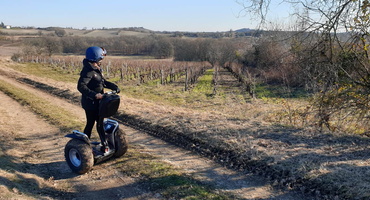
(157, 15)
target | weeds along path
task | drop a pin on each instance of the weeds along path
(49, 167)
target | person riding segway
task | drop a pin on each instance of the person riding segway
(80, 152)
(91, 84)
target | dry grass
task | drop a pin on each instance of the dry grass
(277, 138)
(296, 158)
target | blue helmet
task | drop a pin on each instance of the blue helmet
(95, 54)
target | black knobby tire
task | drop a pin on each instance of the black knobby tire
(120, 143)
(79, 156)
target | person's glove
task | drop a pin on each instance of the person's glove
(118, 90)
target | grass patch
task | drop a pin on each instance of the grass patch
(204, 85)
(46, 71)
(279, 91)
(163, 178)
(174, 94)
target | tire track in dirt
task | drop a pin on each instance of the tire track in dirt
(247, 186)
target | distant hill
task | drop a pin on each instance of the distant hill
(49, 31)
(244, 30)
(114, 32)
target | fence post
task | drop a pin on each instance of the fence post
(121, 72)
(162, 76)
(186, 79)
(108, 66)
(138, 76)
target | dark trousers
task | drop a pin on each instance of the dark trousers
(92, 116)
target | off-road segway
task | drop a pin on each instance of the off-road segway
(81, 154)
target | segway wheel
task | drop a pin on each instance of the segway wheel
(79, 156)
(120, 143)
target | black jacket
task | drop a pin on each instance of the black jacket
(90, 83)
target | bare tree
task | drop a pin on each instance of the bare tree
(332, 49)
(162, 48)
(60, 32)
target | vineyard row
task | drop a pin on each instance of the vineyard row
(131, 70)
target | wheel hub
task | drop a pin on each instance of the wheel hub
(75, 157)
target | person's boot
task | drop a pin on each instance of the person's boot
(106, 150)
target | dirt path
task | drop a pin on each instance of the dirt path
(37, 152)
(40, 154)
